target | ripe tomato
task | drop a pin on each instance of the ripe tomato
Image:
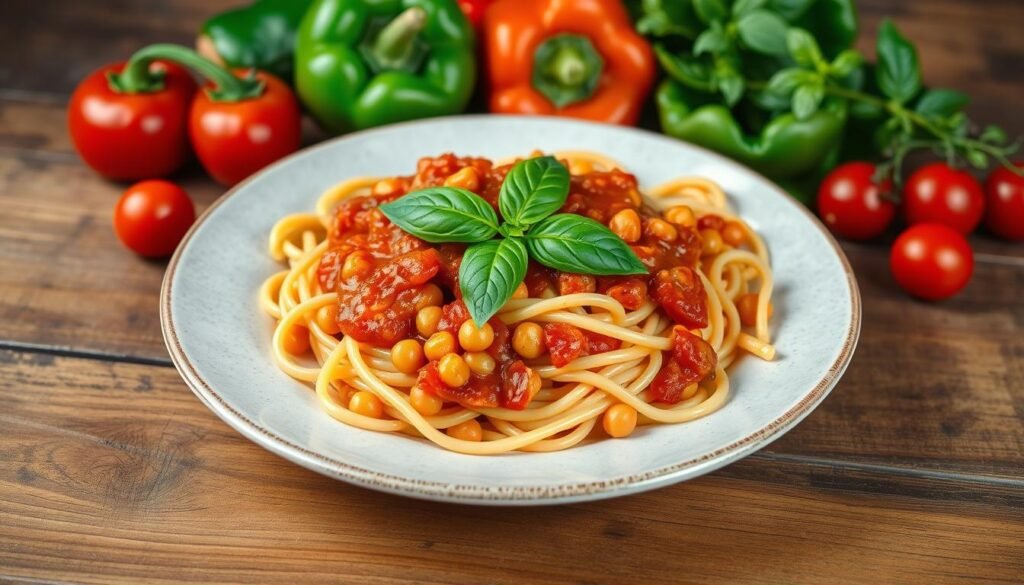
(234, 139)
(931, 261)
(850, 203)
(131, 135)
(937, 193)
(1004, 203)
(152, 217)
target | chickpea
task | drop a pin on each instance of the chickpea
(626, 225)
(327, 319)
(295, 340)
(473, 339)
(439, 345)
(521, 291)
(712, 242)
(467, 431)
(424, 402)
(619, 421)
(407, 355)
(366, 404)
(662, 230)
(453, 370)
(746, 305)
(689, 392)
(430, 296)
(534, 386)
(465, 178)
(528, 340)
(386, 187)
(357, 263)
(734, 234)
(427, 319)
(681, 215)
(480, 362)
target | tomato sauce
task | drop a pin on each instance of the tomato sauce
(380, 273)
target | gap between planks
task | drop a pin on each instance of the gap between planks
(807, 460)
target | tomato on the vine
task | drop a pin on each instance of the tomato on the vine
(132, 135)
(1004, 203)
(931, 261)
(938, 193)
(851, 203)
(152, 217)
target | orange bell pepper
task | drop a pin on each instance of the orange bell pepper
(576, 58)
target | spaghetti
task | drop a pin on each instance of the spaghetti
(638, 359)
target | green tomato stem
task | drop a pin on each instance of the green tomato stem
(137, 78)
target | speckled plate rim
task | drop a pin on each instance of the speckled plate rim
(507, 495)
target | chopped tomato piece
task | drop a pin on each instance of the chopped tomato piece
(631, 292)
(328, 272)
(597, 343)
(565, 343)
(501, 348)
(569, 283)
(451, 261)
(680, 293)
(539, 279)
(479, 391)
(380, 308)
(515, 386)
(453, 315)
(691, 360)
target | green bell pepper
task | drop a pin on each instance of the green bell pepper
(261, 35)
(364, 63)
(784, 148)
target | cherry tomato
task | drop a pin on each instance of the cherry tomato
(152, 217)
(132, 135)
(936, 193)
(1004, 203)
(931, 261)
(850, 203)
(235, 139)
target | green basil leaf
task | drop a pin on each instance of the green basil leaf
(572, 243)
(763, 32)
(489, 274)
(534, 189)
(899, 74)
(732, 87)
(941, 103)
(710, 10)
(803, 48)
(686, 70)
(807, 99)
(712, 40)
(785, 82)
(663, 18)
(443, 214)
(790, 9)
(743, 7)
(846, 63)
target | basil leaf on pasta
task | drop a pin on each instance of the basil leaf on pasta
(573, 243)
(534, 189)
(489, 274)
(444, 214)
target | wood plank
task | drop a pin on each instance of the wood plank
(114, 473)
(65, 282)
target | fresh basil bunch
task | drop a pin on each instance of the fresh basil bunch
(491, 269)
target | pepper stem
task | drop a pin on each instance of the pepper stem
(137, 77)
(396, 43)
(568, 67)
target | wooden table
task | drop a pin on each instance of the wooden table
(111, 471)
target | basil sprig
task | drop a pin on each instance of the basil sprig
(491, 269)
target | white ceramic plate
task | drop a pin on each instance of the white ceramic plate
(220, 340)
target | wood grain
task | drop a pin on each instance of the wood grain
(114, 473)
